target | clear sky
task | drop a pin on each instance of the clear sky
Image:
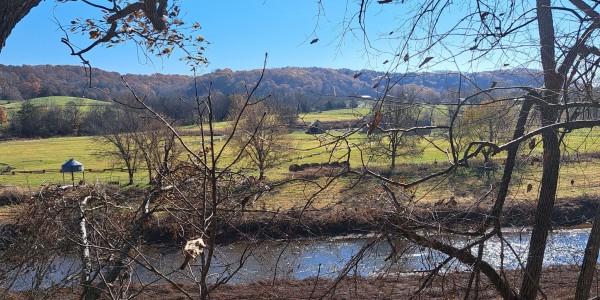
(240, 32)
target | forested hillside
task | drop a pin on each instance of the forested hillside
(26, 82)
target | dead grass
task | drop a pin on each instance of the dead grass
(10, 195)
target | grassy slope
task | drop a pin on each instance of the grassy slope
(55, 100)
(83, 103)
(49, 155)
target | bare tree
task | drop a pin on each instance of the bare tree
(487, 121)
(259, 134)
(388, 142)
(551, 36)
(158, 148)
(118, 129)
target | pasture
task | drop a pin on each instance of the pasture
(83, 104)
(38, 161)
(29, 157)
(54, 100)
(347, 114)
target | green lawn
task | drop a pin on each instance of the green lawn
(49, 154)
(83, 103)
(54, 100)
(347, 114)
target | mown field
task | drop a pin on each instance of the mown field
(54, 100)
(348, 114)
(469, 185)
(84, 104)
(38, 161)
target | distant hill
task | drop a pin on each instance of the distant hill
(26, 82)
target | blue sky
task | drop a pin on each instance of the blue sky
(240, 32)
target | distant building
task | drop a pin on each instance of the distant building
(315, 127)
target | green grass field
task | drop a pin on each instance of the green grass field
(49, 154)
(348, 114)
(83, 103)
(54, 100)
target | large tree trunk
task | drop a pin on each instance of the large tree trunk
(11, 12)
(551, 157)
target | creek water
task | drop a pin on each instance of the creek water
(323, 257)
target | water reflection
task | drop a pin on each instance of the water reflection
(326, 258)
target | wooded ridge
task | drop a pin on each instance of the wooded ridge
(26, 82)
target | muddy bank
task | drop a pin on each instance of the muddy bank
(325, 223)
(556, 283)
(359, 218)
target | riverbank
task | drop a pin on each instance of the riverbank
(356, 217)
(373, 216)
(557, 282)
(568, 213)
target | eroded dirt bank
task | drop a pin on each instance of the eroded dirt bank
(369, 218)
(568, 212)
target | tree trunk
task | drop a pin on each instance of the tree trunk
(262, 162)
(588, 267)
(511, 159)
(543, 216)
(394, 151)
(86, 264)
(551, 157)
(11, 12)
(130, 173)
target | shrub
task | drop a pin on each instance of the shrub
(12, 195)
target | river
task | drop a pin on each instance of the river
(327, 257)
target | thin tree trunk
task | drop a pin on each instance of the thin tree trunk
(511, 159)
(393, 153)
(130, 172)
(86, 264)
(588, 267)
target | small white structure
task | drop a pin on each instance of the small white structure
(192, 249)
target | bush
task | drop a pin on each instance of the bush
(10, 195)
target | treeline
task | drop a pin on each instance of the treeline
(26, 82)
(31, 119)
